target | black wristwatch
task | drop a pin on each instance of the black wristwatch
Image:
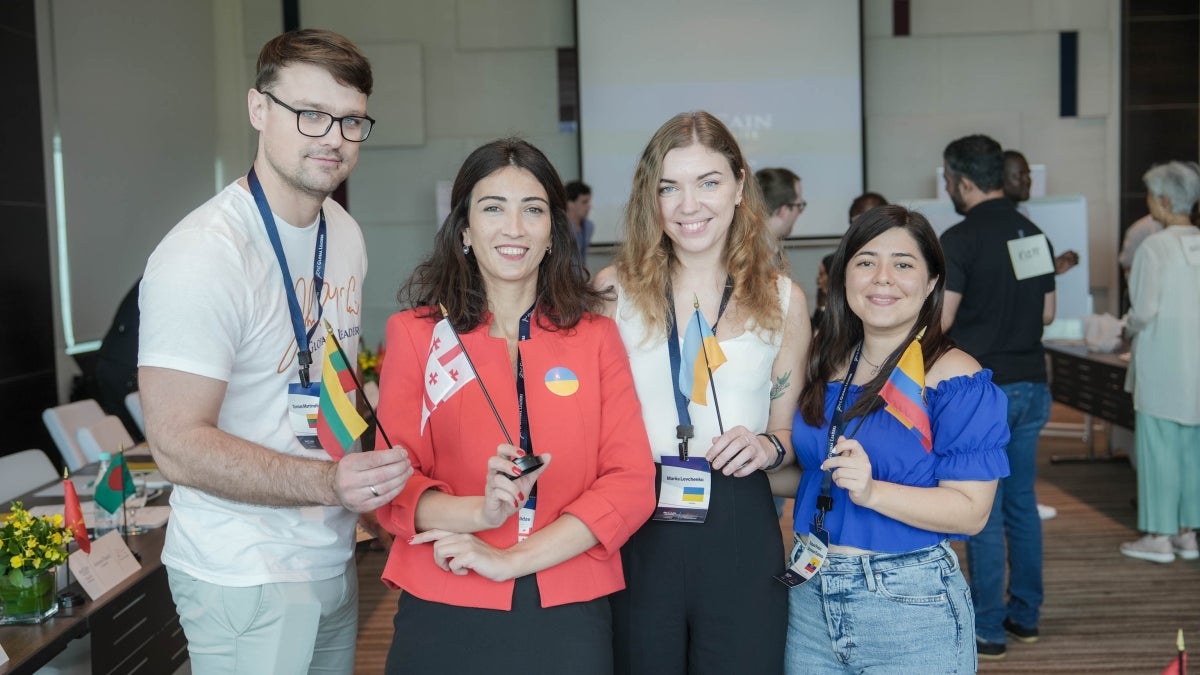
(780, 453)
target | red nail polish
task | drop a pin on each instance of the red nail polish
(521, 496)
(516, 471)
(520, 453)
(516, 504)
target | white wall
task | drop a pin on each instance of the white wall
(981, 66)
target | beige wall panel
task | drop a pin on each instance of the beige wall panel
(493, 93)
(951, 17)
(393, 250)
(904, 152)
(1000, 72)
(1073, 151)
(520, 24)
(877, 18)
(261, 21)
(398, 99)
(1096, 74)
(1071, 14)
(902, 75)
(429, 22)
(397, 184)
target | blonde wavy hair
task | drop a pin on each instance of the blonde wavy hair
(646, 259)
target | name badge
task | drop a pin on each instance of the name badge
(303, 403)
(1030, 256)
(1191, 250)
(684, 491)
(807, 557)
(525, 518)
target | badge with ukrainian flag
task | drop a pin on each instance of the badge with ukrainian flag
(561, 381)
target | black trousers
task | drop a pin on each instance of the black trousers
(435, 638)
(700, 598)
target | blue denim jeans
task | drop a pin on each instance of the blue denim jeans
(1014, 522)
(883, 612)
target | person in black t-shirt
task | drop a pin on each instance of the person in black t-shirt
(999, 295)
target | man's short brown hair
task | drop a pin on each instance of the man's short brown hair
(322, 48)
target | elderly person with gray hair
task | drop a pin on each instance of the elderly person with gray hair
(1164, 318)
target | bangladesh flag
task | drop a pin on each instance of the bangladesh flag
(115, 485)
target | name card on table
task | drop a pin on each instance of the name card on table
(3, 656)
(109, 563)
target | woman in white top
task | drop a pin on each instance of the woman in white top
(699, 596)
(1164, 318)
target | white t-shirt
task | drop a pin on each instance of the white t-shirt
(743, 384)
(213, 304)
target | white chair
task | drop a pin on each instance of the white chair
(133, 401)
(64, 421)
(108, 435)
(23, 471)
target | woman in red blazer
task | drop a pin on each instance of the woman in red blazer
(504, 570)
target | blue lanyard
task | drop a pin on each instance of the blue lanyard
(303, 337)
(523, 335)
(685, 430)
(825, 499)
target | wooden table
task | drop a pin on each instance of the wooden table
(132, 628)
(1093, 383)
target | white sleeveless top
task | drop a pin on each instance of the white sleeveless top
(743, 384)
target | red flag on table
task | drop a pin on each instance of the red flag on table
(904, 392)
(446, 370)
(73, 514)
(338, 421)
(1178, 665)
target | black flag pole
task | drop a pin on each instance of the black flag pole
(526, 463)
(350, 367)
(704, 350)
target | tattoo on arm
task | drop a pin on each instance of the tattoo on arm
(781, 385)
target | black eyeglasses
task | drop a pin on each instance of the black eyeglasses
(799, 205)
(315, 124)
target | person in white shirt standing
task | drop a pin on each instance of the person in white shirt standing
(258, 549)
(1164, 376)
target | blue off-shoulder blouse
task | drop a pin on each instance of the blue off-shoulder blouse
(969, 419)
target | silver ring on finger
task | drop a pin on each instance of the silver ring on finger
(373, 490)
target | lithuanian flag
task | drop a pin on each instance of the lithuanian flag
(338, 422)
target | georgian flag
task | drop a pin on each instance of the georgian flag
(446, 370)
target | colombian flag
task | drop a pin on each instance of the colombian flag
(338, 422)
(904, 393)
(701, 355)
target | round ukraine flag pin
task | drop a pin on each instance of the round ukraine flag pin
(562, 381)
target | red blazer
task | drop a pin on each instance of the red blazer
(602, 472)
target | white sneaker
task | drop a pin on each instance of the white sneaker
(1185, 545)
(1046, 512)
(1153, 547)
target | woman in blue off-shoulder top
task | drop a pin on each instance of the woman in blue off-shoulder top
(913, 461)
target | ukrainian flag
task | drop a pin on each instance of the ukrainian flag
(904, 393)
(693, 494)
(701, 355)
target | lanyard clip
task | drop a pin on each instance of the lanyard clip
(824, 504)
(683, 432)
(305, 358)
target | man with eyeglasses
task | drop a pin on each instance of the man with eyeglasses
(233, 306)
(784, 198)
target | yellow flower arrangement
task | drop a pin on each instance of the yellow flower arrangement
(369, 362)
(30, 544)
